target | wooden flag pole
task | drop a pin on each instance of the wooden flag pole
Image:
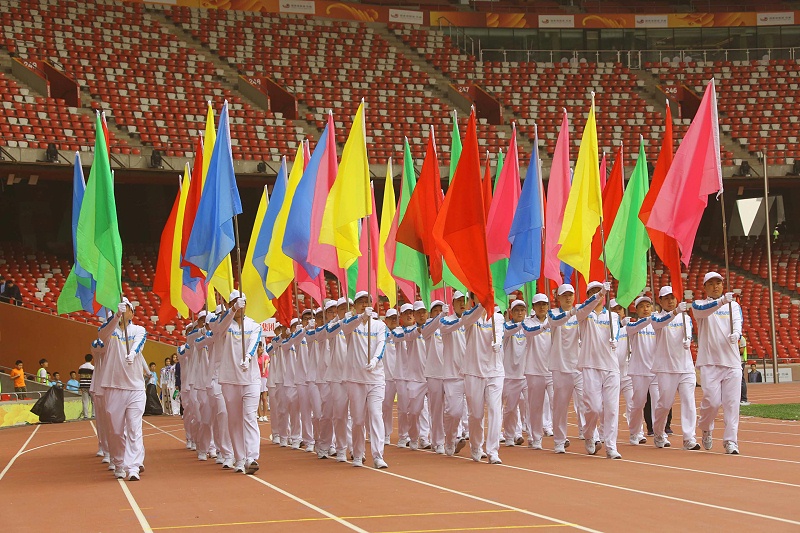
(725, 247)
(605, 276)
(239, 272)
(369, 286)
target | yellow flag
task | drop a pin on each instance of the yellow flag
(281, 266)
(175, 271)
(259, 306)
(386, 283)
(349, 199)
(222, 280)
(584, 208)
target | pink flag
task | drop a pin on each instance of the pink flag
(557, 194)
(313, 287)
(306, 153)
(368, 246)
(695, 173)
(408, 288)
(504, 204)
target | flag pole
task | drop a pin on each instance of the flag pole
(369, 286)
(239, 272)
(725, 247)
(605, 274)
(773, 336)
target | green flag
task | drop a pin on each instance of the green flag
(98, 244)
(455, 154)
(409, 263)
(499, 268)
(628, 242)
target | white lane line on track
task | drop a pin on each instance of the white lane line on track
(19, 452)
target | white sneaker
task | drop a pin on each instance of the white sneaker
(310, 448)
(745, 402)
(519, 441)
(566, 443)
(202, 457)
(690, 445)
(378, 462)
(219, 460)
(251, 467)
(357, 461)
(439, 449)
(188, 445)
(100, 453)
(460, 445)
(495, 460)
(227, 463)
(284, 442)
(708, 442)
(111, 466)
(535, 444)
(296, 444)
(560, 448)
(476, 456)
(332, 451)
(133, 476)
(387, 440)
(321, 455)
(548, 432)
(238, 467)
(661, 442)
(424, 445)
(634, 440)
(591, 446)
(212, 454)
(413, 445)
(194, 447)
(731, 447)
(341, 457)
(106, 459)
(403, 442)
(119, 474)
(510, 442)
(450, 450)
(276, 439)
(612, 454)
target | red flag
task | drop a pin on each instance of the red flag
(487, 186)
(460, 228)
(665, 246)
(612, 198)
(423, 206)
(192, 202)
(161, 283)
(368, 262)
(284, 306)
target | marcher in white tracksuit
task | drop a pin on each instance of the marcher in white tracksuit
(483, 379)
(515, 347)
(563, 363)
(366, 340)
(304, 432)
(200, 391)
(275, 382)
(322, 338)
(623, 355)
(216, 401)
(240, 380)
(187, 378)
(290, 401)
(719, 325)
(537, 374)
(454, 344)
(314, 399)
(400, 379)
(123, 387)
(335, 378)
(434, 373)
(414, 375)
(642, 339)
(674, 368)
(600, 368)
(389, 363)
(96, 390)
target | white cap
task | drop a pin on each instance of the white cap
(419, 305)
(406, 307)
(517, 303)
(539, 297)
(712, 275)
(594, 285)
(210, 317)
(566, 287)
(278, 325)
(361, 294)
(496, 308)
(330, 303)
(391, 312)
(641, 299)
(201, 314)
(294, 321)
(613, 303)
(318, 310)
(435, 303)
(218, 309)
(310, 311)
(127, 302)
(344, 301)
(236, 294)
(664, 291)
(457, 295)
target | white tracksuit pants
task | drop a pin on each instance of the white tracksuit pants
(668, 384)
(101, 419)
(564, 384)
(274, 407)
(453, 409)
(198, 428)
(512, 394)
(291, 406)
(366, 407)
(601, 398)
(340, 416)
(641, 385)
(488, 391)
(547, 411)
(316, 410)
(241, 402)
(436, 407)
(188, 416)
(390, 390)
(722, 387)
(626, 391)
(175, 401)
(125, 411)
(402, 408)
(205, 441)
(222, 435)
(425, 419)
(416, 402)
(537, 400)
(306, 420)
(326, 419)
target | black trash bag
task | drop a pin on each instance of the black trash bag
(152, 405)
(50, 407)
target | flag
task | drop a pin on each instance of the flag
(415, 229)
(612, 198)
(695, 173)
(348, 201)
(525, 234)
(163, 277)
(281, 267)
(460, 228)
(212, 237)
(558, 187)
(410, 266)
(665, 246)
(486, 182)
(284, 307)
(193, 287)
(99, 248)
(504, 204)
(584, 205)
(627, 245)
(386, 283)
(78, 291)
(176, 273)
(367, 279)
(268, 227)
(455, 152)
(259, 306)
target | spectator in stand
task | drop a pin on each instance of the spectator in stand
(754, 376)
(85, 372)
(18, 375)
(56, 381)
(11, 293)
(42, 376)
(2, 284)
(73, 385)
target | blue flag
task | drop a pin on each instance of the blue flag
(265, 235)
(525, 235)
(212, 236)
(297, 238)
